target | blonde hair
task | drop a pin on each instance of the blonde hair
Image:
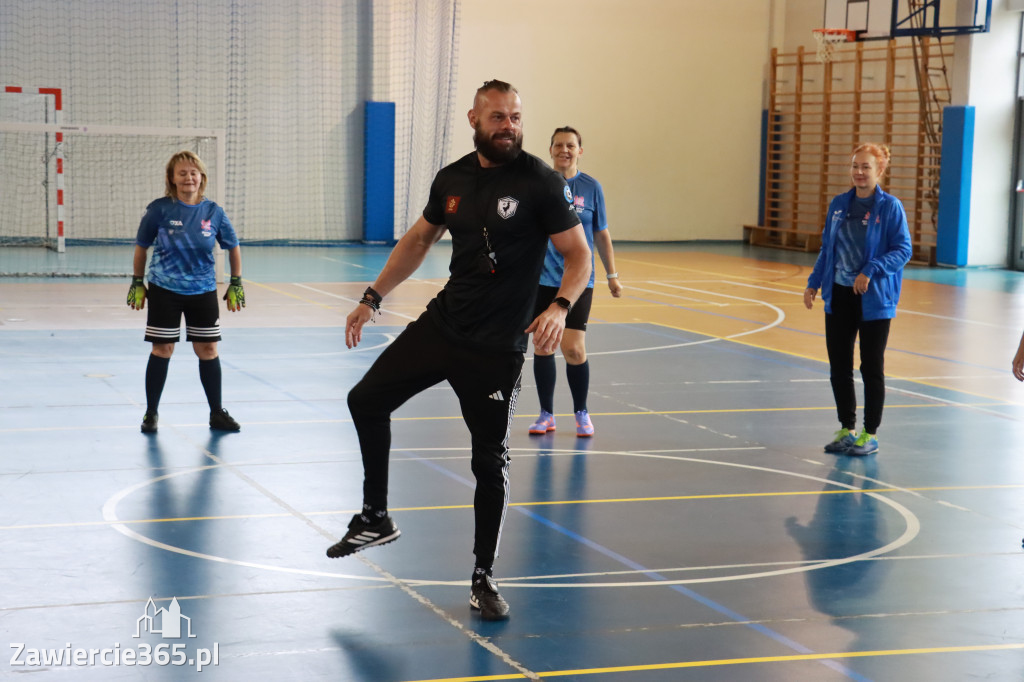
(184, 156)
(877, 150)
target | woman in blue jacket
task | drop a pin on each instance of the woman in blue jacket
(864, 246)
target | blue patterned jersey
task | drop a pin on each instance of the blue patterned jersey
(182, 237)
(851, 240)
(588, 199)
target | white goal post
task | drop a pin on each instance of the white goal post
(105, 176)
(172, 139)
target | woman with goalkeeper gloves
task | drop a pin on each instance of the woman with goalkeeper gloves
(182, 228)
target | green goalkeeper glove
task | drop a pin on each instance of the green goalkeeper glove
(235, 295)
(137, 294)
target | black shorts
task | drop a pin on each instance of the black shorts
(578, 314)
(163, 323)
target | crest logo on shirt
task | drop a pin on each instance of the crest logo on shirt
(507, 207)
(206, 228)
(451, 204)
(568, 194)
(578, 203)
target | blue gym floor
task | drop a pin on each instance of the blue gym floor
(701, 534)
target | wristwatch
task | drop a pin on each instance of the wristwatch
(563, 302)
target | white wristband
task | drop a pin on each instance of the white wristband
(613, 275)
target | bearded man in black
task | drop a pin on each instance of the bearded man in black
(500, 205)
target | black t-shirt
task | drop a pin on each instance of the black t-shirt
(520, 203)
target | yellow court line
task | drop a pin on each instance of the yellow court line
(814, 359)
(777, 350)
(726, 410)
(737, 661)
(645, 413)
(544, 503)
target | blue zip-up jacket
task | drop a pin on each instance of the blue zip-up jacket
(887, 250)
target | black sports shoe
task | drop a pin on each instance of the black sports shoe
(149, 421)
(361, 535)
(483, 595)
(222, 421)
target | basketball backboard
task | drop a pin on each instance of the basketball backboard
(884, 19)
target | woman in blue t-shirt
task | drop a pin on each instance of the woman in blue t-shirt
(859, 269)
(183, 228)
(588, 201)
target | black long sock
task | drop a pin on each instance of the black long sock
(579, 384)
(156, 377)
(210, 376)
(545, 374)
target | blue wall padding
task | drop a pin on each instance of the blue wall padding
(955, 186)
(379, 173)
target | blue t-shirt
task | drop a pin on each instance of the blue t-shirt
(851, 239)
(588, 199)
(182, 237)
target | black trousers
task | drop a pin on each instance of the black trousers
(487, 385)
(842, 326)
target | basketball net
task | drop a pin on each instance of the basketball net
(827, 40)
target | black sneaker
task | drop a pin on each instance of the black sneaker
(149, 421)
(483, 595)
(222, 421)
(361, 535)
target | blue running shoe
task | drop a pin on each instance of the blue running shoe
(584, 429)
(842, 442)
(866, 444)
(545, 422)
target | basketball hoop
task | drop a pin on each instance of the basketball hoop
(828, 38)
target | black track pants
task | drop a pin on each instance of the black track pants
(487, 385)
(842, 326)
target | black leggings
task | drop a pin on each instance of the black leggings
(841, 328)
(487, 385)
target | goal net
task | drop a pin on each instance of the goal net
(287, 81)
(68, 190)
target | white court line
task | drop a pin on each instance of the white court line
(679, 296)
(359, 266)
(762, 287)
(779, 314)
(954, 506)
(911, 531)
(353, 301)
(955, 403)
(779, 317)
(110, 513)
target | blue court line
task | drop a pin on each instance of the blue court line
(626, 561)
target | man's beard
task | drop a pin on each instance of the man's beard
(492, 152)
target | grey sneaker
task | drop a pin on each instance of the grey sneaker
(842, 442)
(483, 595)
